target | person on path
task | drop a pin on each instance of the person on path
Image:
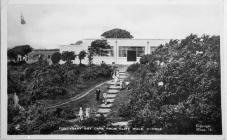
(105, 98)
(87, 112)
(98, 91)
(123, 85)
(81, 114)
(16, 100)
(115, 78)
(118, 73)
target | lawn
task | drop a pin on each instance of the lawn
(88, 101)
(83, 88)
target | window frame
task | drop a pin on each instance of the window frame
(134, 48)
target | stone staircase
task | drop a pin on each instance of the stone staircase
(112, 93)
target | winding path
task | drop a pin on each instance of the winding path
(77, 97)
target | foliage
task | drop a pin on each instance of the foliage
(18, 50)
(51, 81)
(117, 33)
(145, 59)
(133, 67)
(95, 122)
(97, 71)
(14, 84)
(36, 120)
(68, 56)
(98, 47)
(82, 55)
(191, 94)
(56, 57)
(41, 81)
(46, 83)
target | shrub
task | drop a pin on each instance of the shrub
(36, 120)
(133, 67)
(68, 57)
(56, 57)
(145, 59)
(82, 55)
(188, 96)
(97, 71)
(95, 122)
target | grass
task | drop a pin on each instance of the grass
(88, 101)
(75, 90)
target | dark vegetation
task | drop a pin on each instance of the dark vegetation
(82, 55)
(190, 95)
(18, 50)
(117, 33)
(68, 57)
(56, 57)
(40, 81)
(98, 48)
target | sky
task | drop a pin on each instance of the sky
(50, 25)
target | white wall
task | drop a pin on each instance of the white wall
(112, 42)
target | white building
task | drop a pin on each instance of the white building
(123, 51)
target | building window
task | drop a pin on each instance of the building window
(110, 52)
(152, 49)
(140, 50)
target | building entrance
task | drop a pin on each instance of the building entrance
(131, 55)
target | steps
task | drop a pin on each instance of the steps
(114, 87)
(111, 95)
(112, 91)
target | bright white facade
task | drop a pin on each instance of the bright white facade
(118, 52)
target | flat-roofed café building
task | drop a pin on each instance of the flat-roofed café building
(123, 51)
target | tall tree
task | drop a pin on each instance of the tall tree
(82, 55)
(98, 47)
(117, 33)
(68, 56)
(19, 50)
(56, 57)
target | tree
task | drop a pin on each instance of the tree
(56, 57)
(19, 50)
(82, 55)
(68, 56)
(117, 33)
(190, 93)
(98, 47)
(47, 83)
(12, 55)
(36, 120)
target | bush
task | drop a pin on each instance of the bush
(132, 68)
(145, 59)
(56, 57)
(36, 120)
(97, 71)
(68, 57)
(190, 93)
(55, 92)
(95, 122)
